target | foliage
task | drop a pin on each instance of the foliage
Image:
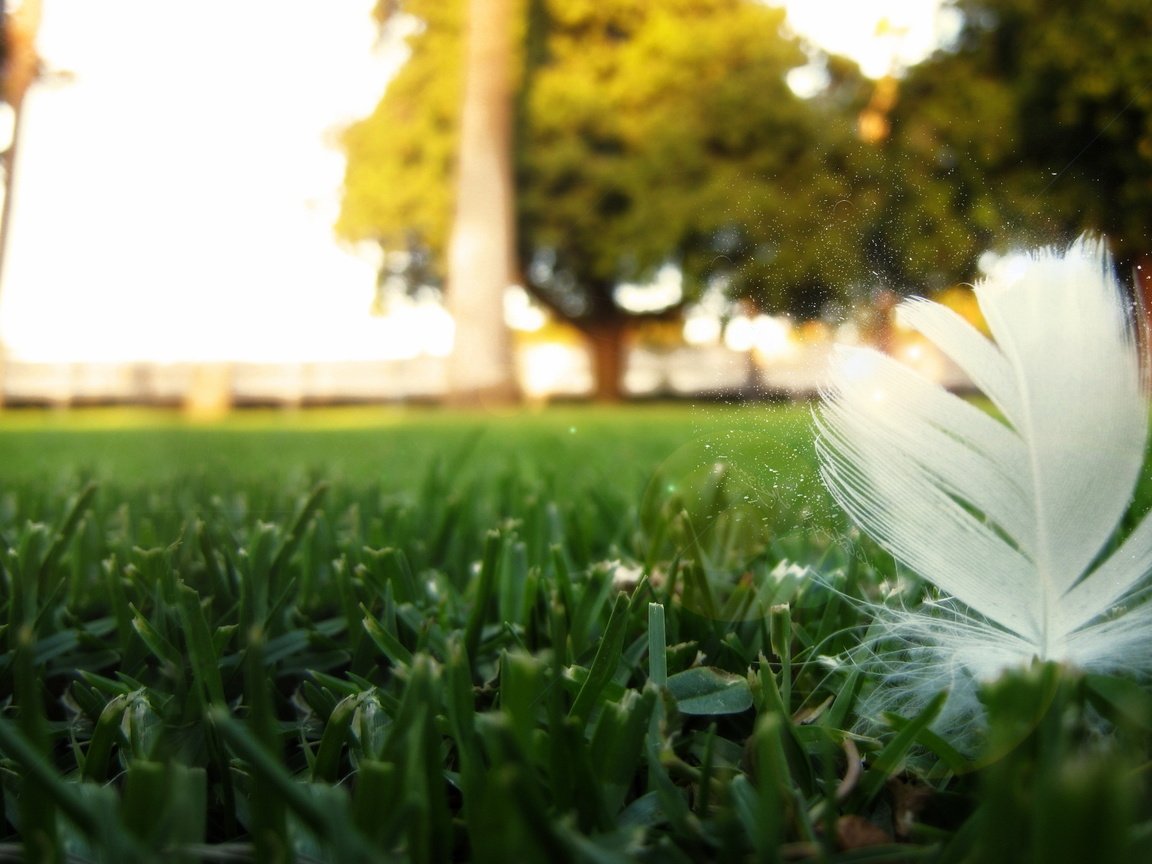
(666, 132)
(397, 189)
(655, 132)
(215, 667)
(1019, 134)
(648, 133)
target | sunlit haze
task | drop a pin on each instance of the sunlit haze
(175, 193)
(176, 187)
(883, 36)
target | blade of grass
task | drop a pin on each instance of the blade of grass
(486, 584)
(89, 813)
(889, 759)
(388, 642)
(657, 646)
(64, 532)
(201, 651)
(266, 766)
(605, 662)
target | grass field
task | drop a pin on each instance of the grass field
(583, 634)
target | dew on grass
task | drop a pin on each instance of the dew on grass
(720, 503)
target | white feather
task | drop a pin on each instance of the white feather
(1008, 518)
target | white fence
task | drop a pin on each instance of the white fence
(560, 373)
(680, 372)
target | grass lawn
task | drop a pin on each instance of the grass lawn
(580, 634)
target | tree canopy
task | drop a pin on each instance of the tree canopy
(401, 158)
(648, 132)
(657, 132)
(1034, 127)
(654, 131)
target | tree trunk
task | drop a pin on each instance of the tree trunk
(21, 66)
(607, 345)
(482, 246)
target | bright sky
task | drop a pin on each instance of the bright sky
(881, 35)
(174, 199)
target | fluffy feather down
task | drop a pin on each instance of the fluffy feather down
(1007, 518)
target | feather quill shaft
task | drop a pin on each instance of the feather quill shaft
(1007, 517)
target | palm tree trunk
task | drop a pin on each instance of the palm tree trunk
(482, 247)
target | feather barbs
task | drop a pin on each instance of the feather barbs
(1008, 516)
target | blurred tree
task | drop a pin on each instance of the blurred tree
(666, 133)
(401, 158)
(1035, 126)
(649, 132)
(481, 250)
(446, 117)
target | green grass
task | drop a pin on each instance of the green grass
(377, 635)
(391, 446)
